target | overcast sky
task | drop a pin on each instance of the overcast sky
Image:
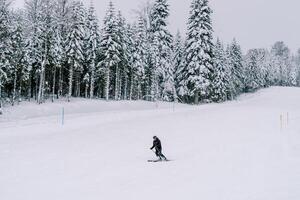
(254, 23)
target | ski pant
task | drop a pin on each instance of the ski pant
(159, 154)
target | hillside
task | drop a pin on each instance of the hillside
(235, 150)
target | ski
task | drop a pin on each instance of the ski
(159, 160)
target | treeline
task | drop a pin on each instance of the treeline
(57, 48)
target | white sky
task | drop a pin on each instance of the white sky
(254, 23)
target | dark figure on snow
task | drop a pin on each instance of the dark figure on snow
(158, 148)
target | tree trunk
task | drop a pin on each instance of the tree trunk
(53, 84)
(60, 84)
(20, 91)
(196, 100)
(86, 90)
(125, 88)
(92, 80)
(42, 79)
(131, 86)
(29, 88)
(78, 84)
(120, 83)
(107, 85)
(71, 71)
(139, 89)
(14, 89)
(117, 84)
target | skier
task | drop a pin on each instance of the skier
(158, 148)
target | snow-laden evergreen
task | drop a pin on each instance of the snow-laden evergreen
(93, 43)
(221, 74)
(235, 59)
(4, 44)
(199, 51)
(75, 46)
(55, 49)
(110, 47)
(178, 64)
(139, 59)
(162, 78)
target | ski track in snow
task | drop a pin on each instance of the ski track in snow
(231, 151)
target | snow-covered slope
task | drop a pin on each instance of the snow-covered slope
(237, 150)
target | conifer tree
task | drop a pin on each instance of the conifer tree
(110, 46)
(4, 44)
(75, 47)
(252, 71)
(221, 76)
(199, 51)
(178, 63)
(93, 46)
(17, 57)
(237, 68)
(162, 82)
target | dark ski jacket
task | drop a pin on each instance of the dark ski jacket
(156, 144)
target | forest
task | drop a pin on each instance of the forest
(58, 49)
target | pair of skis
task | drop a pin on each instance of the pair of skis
(159, 160)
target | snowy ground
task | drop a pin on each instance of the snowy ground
(231, 151)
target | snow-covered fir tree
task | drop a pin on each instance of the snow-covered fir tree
(56, 52)
(17, 57)
(110, 47)
(179, 64)
(4, 44)
(75, 46)
(199, 51)
(139, 60)
(92, 31)
(281, 62)
(163, 80)
(252, 71)
(221, 74)
(235, 57)
(121, 69)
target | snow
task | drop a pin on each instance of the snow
(235, 150)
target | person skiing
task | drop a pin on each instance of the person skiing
(158, 148)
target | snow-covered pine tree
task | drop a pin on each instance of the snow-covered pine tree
(163, 81)
(237, 68)
(127, 60)
(92, 31)
(252, 71)
(148, 86)
(199, 51)
(220, 84)
(4, 44)
(139, 59)
(56, 52)
(121, 69)
(63, 16)
(33, 12)
(281, 62)
(47, 23)
(110, 47)
(262, 56)
(179, 64)
(293, 73)
(74, 48)
(17, 56)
